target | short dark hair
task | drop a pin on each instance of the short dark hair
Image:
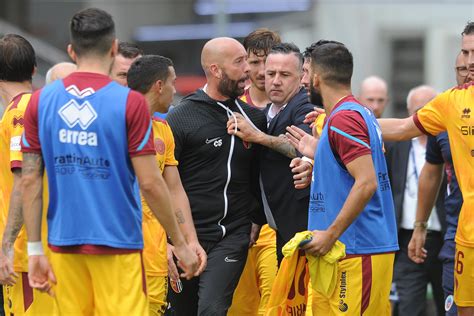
(310, 48)
(261, 40)
(146, 70)
(469, 29)
(335, 63)
(129, 50)
(17, 59)
(287, 49)
(92, 32)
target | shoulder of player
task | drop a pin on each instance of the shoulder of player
(345, 116)
(19, 103)
(158, 121)
(463, 87)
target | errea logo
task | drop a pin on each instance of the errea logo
(73, 114)
(466, 113)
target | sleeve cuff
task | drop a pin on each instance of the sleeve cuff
(15, 164)
(418, 124)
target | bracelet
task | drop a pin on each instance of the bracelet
(420, 224)
(35, 248)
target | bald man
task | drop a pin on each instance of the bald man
(60, 71)
(405, 161)
(374, 94)
(220, 174)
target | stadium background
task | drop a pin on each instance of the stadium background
(405, 42)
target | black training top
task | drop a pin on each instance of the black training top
(219, 171)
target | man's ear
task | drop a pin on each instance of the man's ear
(316, 80)
(114, 48)
(216, 71)
(158, 86)
(71, 53)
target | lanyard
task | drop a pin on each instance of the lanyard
(413, 160)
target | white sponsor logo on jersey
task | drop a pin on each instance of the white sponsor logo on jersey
(83, 115)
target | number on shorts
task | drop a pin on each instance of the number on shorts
(459, 264)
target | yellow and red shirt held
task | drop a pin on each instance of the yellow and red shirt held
(453, 111)
(154, 236)
(11, 130)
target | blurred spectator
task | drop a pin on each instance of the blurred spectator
(60, 71)
(374, 94)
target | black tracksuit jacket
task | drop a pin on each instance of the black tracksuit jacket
(219, 171)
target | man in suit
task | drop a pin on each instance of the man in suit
(289, 105)
(405, 160)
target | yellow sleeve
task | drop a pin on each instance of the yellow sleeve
(433, 116)
(319, 122)
(13, 131)
(170, 160)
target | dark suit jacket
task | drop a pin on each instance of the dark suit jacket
(397, 156)
(289, 206)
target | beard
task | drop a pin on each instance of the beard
(315, 97)
(230, 88)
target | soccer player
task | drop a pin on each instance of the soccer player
(256, 281)
(220, 175)
(258, 44)
(127, 54)
(350, 192)
(451, 111)
(17, 66)
(97, 141)
(59, 71)
(438, 154)
(154, 76)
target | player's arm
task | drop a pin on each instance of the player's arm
(399, 129)
(12, 228)
(183, 213)
(365, 184)
(429, 183)
(157, 196)
(40, 273)
(32, 188)
(244, 130)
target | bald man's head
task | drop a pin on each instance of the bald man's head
(224, 61)
(374, 94)
(418, 97)
(60, 71)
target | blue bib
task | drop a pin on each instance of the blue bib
(93, 192)
(374, 230)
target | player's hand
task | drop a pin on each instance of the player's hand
(202, 256)
(172, 269)
(302, 172)
(188, 261)
(311, 117)
(321, 243)
(254, 234)
(245, 131)
(40, 274)
(7, 274)
(302, 141)
(416, 251)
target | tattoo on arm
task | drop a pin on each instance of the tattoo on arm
(180, 216)
(15, 218)
(32, 163)
(282, 145)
